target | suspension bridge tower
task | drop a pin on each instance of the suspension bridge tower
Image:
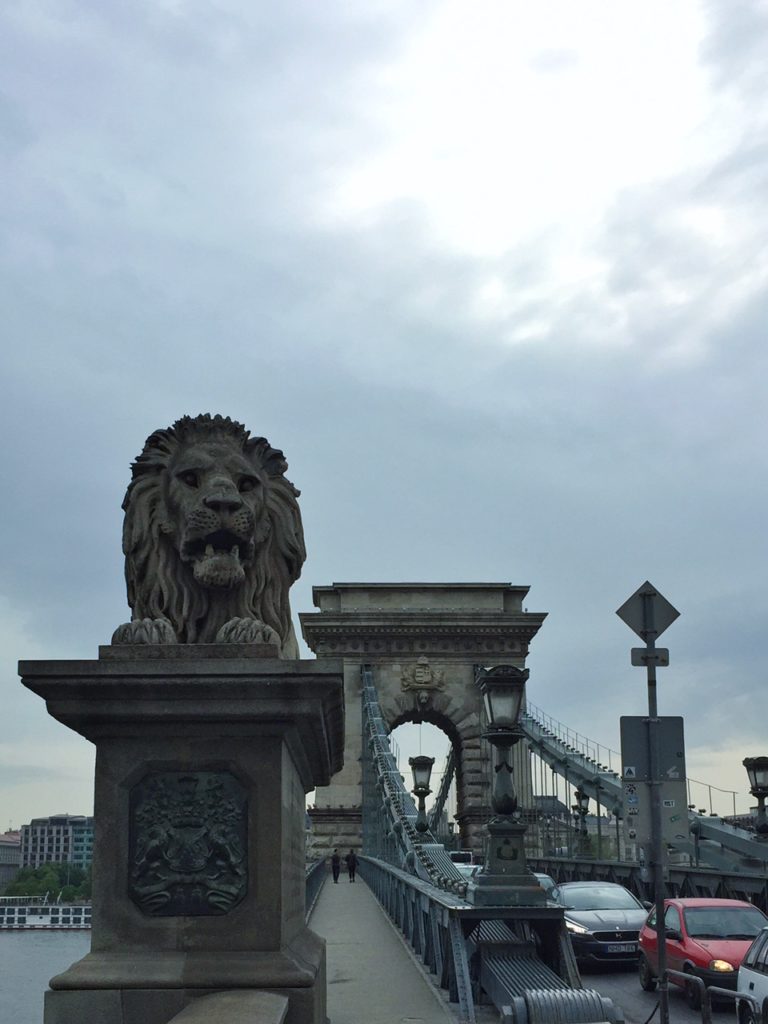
(423, 642)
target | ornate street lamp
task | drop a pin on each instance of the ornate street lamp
(505, 879)
(757, 770)
(421, 766)
(580, 810)
(503, 689)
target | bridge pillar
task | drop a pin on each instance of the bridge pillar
(423, 641)
(204, 755)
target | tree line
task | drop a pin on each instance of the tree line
(72, 882)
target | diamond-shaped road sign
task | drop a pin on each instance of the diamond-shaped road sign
(647, 601)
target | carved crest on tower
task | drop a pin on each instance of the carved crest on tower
(422, 676)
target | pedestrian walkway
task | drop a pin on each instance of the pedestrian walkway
(372, 976)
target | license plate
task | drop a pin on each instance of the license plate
(621, 947)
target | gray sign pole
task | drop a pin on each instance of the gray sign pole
(649, 614)
(655, 787)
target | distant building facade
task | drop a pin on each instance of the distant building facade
(10, 857)
(59, 839)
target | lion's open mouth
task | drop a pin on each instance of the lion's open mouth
(220, 542)
(217, 558)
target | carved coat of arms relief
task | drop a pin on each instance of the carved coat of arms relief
(422, 679)
(188, 843)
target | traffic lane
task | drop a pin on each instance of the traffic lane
(623, 987)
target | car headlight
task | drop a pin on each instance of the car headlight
(577, 929)
(720, 965)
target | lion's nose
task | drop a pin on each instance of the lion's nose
(223, 502)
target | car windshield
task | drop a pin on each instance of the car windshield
(723, 922)
(598, 897)
(468, 870)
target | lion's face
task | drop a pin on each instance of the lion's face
(212, 531)
(216, 511)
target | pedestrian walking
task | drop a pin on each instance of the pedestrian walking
(336, 865)
(351, 860)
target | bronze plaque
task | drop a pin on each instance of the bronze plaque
(188, 846)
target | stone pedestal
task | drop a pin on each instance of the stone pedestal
(204, 755)
(506, 881)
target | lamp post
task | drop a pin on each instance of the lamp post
(617, 816)
(505, 879)
(421, 766)
(548, 845)
(757, 770)
(580, 810)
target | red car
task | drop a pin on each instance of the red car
(705, 937)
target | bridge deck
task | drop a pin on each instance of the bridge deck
(372, 976)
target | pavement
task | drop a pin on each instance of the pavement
(373, 977)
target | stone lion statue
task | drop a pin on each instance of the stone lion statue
(212, 539)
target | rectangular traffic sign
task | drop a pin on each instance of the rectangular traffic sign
(634, 748)
(659, 656)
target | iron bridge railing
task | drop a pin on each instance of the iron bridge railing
(717, 843)
(518, 958)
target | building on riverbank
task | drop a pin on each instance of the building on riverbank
(10, 857)
(58, 839)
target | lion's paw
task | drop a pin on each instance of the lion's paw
(145, 631)
(247, 631)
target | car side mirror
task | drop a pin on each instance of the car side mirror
(673, 933)
(647, 904)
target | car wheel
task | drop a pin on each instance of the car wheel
(692, 994)
(647, 980)
(747, 1014)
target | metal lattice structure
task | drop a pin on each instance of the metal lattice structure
(719, 845)
(389, 813)
(498, 953)
(437, 820)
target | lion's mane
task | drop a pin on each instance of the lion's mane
(161, 586)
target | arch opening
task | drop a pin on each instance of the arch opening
(412, 737)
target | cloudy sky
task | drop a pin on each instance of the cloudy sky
(493, 275)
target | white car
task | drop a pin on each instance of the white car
(753, 979)
(468, 870)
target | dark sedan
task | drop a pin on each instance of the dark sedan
(603, 920)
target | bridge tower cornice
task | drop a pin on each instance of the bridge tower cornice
(453, 620)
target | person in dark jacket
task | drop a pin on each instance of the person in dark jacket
(336, 865)
(351, 860)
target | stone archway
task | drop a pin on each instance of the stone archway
(471, 760)
(423, 642)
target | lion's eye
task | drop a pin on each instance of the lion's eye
(247, 483)
(190, 478)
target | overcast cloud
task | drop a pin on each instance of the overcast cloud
(493, 276)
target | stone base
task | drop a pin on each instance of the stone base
(505, 891)
(506, 881)
(203, 760)
(158, 1006)
(147, 988)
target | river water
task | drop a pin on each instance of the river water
(28, 960)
